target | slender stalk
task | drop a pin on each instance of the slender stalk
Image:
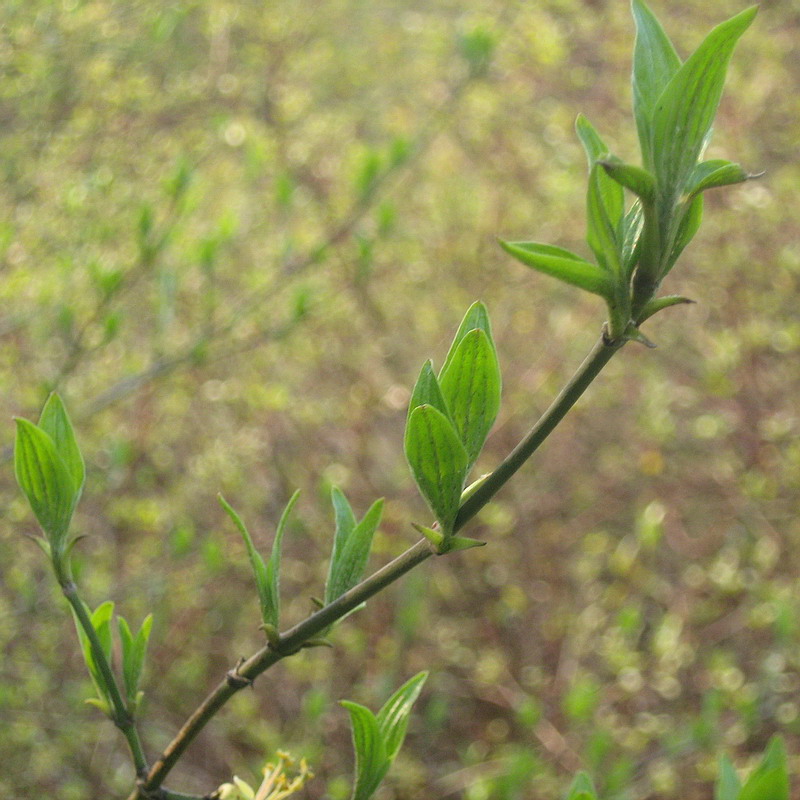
(599, 356)
(301, 634)
(290, 642)
(122, 718)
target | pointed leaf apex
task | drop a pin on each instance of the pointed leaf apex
(436, 538)
(462, 543)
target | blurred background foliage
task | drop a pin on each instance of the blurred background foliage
(231, 232)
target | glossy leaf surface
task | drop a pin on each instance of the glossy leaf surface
(686, 109)
(438, 461)
(561, 264)
(393, 717)
(45, 479)
(654, 63)
(55, 422)
(371, 760)
(471, 386)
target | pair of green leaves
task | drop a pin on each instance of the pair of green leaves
(134, 650)
(768, 781)
(50, 471)
(352, 541)
(450, 416)
(351, 547)
(377, 738)
(267, 574)
(674, 107)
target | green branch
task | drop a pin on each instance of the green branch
(121, 717)
(300, 635)
(600, 355)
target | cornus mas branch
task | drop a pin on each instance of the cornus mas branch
(300, 635)
(450, 414)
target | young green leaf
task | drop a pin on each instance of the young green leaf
(377, 739)
(46, 481)
(55, 422)
(393, 717)
(581, 788)
(350, 560)
(659, 304)
(690, 218)
(638, 180)
(605, 201)
(593, 144)
(685, 111)
(372, 763)
(274, 563)
(654, 63)
(770, 779)
(471, 386)
(477, 316)
(728, 785)
(101, 622)
(438, 461)
(345, 520)
(562, 264)
(268, 611)
(632, 225)
(134, 650)
(715, 173)
(604, 213)
(427, 391)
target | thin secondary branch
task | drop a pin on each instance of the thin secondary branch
(599, 356)
(290, 642)
(122, 718)
(300, 635)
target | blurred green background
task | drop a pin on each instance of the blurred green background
(230, 234)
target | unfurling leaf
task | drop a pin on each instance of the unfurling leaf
(770, 779)
(352, 542)
(660, 303)
(449, 417)
(134, 650)
(427, 391)
(377, 739)
(685, 110)
(654, 63)
(393, 717)
(562, 264)
(372, 763)
(267, 574)
(728, 785)
(274, 563)
(101, 622)
(471, 388)
(690, 218)
(49, 469)
(713, 174)
(638, 180)
(632, 226)
(438, 461)
(268, 612)
(352, 546)
(46, 481)
(477, 317)
(55, 422)
(605, 202)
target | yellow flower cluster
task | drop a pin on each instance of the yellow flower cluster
(280, 780)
